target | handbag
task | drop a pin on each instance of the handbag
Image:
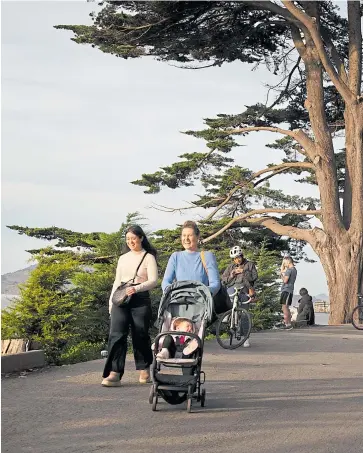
(221, 300)
(120, 297)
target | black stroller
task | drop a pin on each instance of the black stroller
(191, 300)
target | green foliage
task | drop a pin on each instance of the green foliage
(65, 301)
(64, 238)
(267, 288)
(204, 31)
(81, 352)
(50, 309)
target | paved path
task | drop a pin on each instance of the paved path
(299, 391)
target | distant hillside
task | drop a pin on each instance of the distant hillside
(10, 281)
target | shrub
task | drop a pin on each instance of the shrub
(81, 352)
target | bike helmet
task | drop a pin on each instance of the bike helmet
(235, 252)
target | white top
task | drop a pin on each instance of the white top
(147, 275)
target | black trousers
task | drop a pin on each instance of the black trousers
(137, 315)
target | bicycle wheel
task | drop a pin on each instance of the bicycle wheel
(233, 335)
(357, 317)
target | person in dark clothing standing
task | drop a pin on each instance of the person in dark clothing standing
(305, 311)
(137, 264)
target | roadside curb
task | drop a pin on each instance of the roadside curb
(22, 361)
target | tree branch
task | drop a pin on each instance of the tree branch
(274, 169)
(312, 27)
(294, 232)
(287, 86)
(299, 135)
(335, 56)
(162, 208)
(274, 8)
(355, 47)
(298, 42)
(266, 178)
(142, 27)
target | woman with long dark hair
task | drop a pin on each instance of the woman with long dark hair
(136, 265)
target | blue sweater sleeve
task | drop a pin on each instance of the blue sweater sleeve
(213, 273)
(169, 275)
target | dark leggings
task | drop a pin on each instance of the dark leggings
(170, 345)
(137, 315)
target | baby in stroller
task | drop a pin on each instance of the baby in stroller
(180, 346)
(184, 312)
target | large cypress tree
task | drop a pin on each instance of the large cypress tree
(318, 54)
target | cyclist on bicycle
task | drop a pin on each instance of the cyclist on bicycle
(240, 273)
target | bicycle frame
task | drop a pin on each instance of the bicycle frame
(234, 306)
(360, 299)
(359, 310)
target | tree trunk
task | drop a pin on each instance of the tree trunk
(342, 260)
(353, 190)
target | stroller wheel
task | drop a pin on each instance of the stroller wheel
(189, 404)
(202, 398)
(155, 402)
(151, 394)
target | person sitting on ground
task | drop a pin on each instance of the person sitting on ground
(180, 346)
(305, 311)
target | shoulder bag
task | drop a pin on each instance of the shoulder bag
(120, 297)
(222, 301)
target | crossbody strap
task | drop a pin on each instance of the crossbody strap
(202, 257)
(138, 267)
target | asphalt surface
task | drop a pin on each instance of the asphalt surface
(298, 391)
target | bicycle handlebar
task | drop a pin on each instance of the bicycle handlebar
(236, 289)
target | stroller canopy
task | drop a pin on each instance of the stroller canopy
(187, 299)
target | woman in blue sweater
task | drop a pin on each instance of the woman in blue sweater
(188, 265)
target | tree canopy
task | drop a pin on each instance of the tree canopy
(316, 54)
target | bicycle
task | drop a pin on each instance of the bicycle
(234, 324)
(357, 314)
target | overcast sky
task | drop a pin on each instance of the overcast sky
(79, 125)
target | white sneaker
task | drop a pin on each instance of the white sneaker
(163, 354)
(246, 344)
